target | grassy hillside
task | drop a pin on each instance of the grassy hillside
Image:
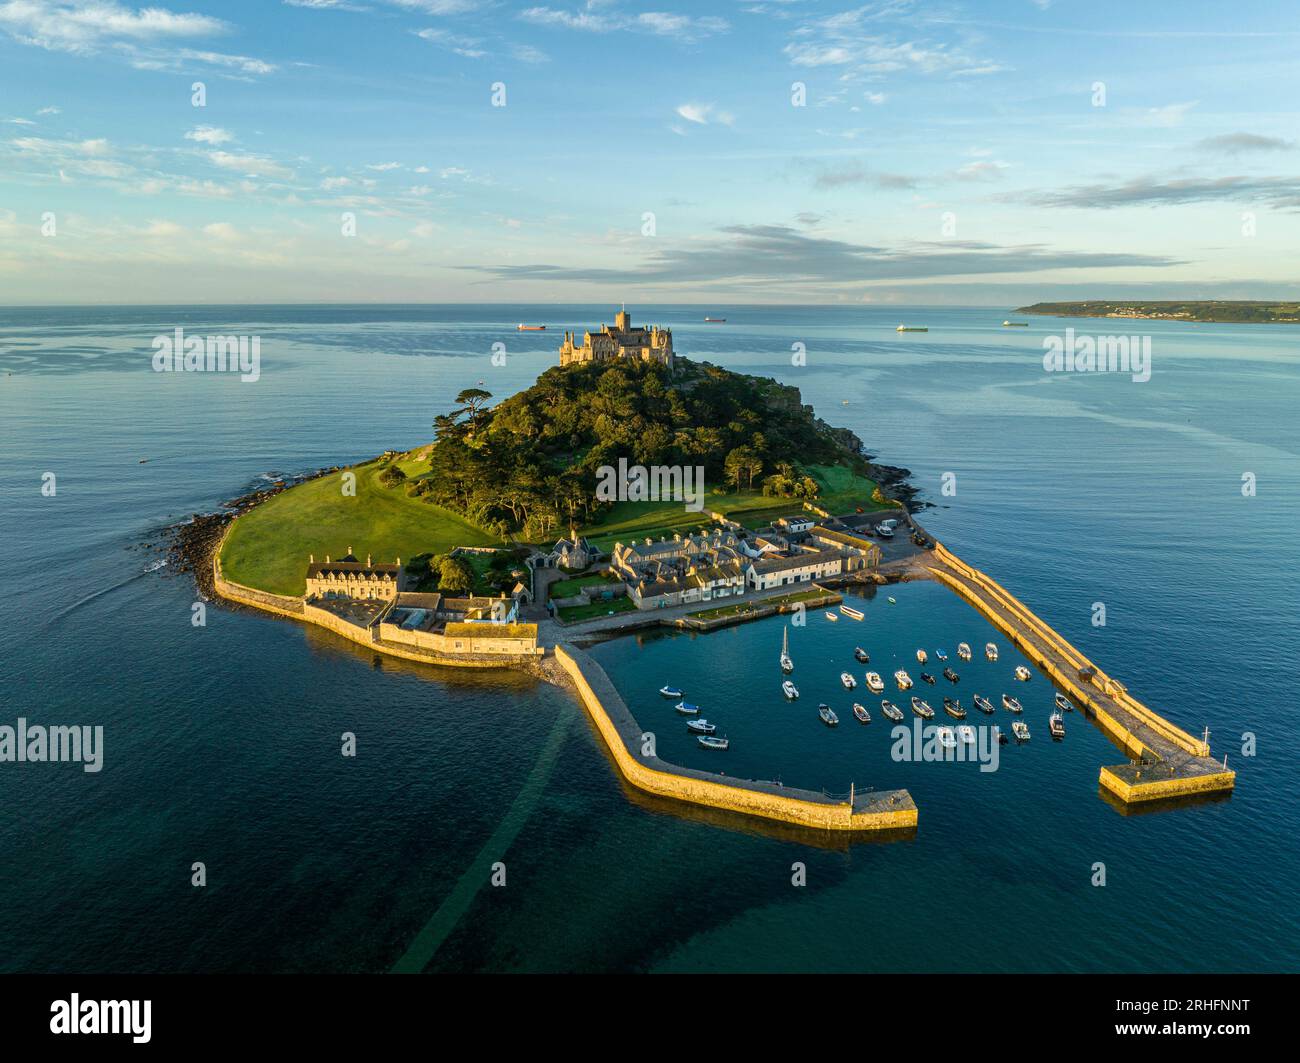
(269, 545)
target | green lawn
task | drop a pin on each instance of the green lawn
(749, 606)
(567, 588)
(842, 492)
(269, 545)
(596, 609)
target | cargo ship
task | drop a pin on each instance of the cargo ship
(715, 320)
(911, 328)
(530, 328)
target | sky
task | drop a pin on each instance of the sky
(984, 152)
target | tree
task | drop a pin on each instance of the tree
(455, 576)
(472, 399)
(391, 476)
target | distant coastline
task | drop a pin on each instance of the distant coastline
(1220, 311)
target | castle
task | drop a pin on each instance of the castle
(651, 344)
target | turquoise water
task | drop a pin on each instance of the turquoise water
(222, 743)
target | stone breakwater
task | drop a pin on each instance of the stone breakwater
(891, 810)
(1167, 761)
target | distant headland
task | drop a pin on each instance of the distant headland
(1225, 311)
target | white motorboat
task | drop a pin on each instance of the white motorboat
(1063, 703)
(966, 733)
(789, 690)
(1056, 724)
(946, 738)
(963, 651)
(687, 709)
(874, 683)
(701, 726)
(670, 692)
(1021, 730)
(713, 742)
(828, 715)
(903, 680)
(990, 651)
(1022, 673)
(848, 681)
(922, 656)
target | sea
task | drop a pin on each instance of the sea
(481, 826)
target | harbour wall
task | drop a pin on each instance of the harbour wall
(1174, 764)
(887, 811)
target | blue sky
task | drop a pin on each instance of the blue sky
(944, 152)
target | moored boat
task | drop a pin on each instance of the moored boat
(828, 715)
(860, 711)
(1022, 673)
(984, 705)
(713, 742)
(891, 601)
(946, 737)
(1056, 724)
(670, 692)
(966, 733)
(963, 651)
(687, 709)
(789, 690)
(1011, 704)
(848, 681)
(991, 651)
(926, 677)
(1063, 703)
(951, 676)
(922, 656)
(890, 709)
(922, 709)
(1021, 730)
(862, 655)
(831, 616)
(953, 708)
(941, 655)
(856, 614)
(701, 726)
(874, 683)
(903, 680)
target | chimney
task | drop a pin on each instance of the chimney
(368, 565)
(311, 559)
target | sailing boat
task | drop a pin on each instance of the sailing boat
(787, 665)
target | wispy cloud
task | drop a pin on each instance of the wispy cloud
(206, 134)
(1237, 143)
(705, 114)
(1279, 192)
(597, 19)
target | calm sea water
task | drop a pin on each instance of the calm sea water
(222, 742)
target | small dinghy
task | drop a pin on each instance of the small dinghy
(902, 679)
(892, 601)
(874, 683)
(891, 710)
(1021, 730)
(990, 651)
(856, 614)
(670, 692)
(951, 676)
(922, 709)
(701, 726)
(713, 742)
(941, 654)
(966, 733)
(963, 651)
(946, 737)
(848, 681)
(862, 655)
(953, 708)
(1063, 703)
(687, 709)
(984, 705)
(789, 690)
(926, 677)
(922, 656)
(831, 616)
(1022, 673)
(1011, 704)
(860, 711)
(828, 715)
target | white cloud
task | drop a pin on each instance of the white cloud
(206, 134)
(660, 23)
(49, 110)
(331, 183)
(89, 25)
(20, 121)
(381, 166)
(222, 230)
(705, 114)
(252, 165)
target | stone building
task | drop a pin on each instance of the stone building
(350, 578)
(651, 344)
